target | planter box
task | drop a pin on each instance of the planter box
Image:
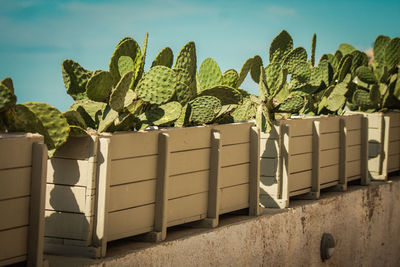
(299, 157)
(383, 143)
(125, 184)
(23, 159)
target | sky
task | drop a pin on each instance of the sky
(37, 35)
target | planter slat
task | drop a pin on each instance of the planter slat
(300, 181)
(119, 175)
(67, 225)
(69, 172)
(15, 182)
(189, 161)
(233, 154)
(188, 184)
(14, 213)
(18, 152)
(180, 212)
(330, 141)
(300, 162)
(329, 174)
(330, 157)
(234, 198)
(301, 145)
(18, 248)
(66, 192)
(233, 175)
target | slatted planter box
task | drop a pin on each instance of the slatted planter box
(22, 196)
(299, 157)
(383, 143)
(147, 181)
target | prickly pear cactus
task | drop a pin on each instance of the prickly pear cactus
(164, 58)
(204, 109)
(157, 85)
(75, 79)
(281, 46)
(99, 86)
(209, 74)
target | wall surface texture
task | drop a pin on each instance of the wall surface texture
(365, 222)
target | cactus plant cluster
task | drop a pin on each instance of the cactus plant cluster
(31, 117)
(127, 98)
(376, 86)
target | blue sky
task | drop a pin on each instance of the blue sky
(36, 35)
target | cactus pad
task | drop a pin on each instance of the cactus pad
(227, 95)
(313, 45)
(291, 105)
(125, 64)
(183, 93)
(230, 78)
(118, 94)
(344, 67)
(163, 114)
(75, 78)
(392, 53)
(183, 76)
(280, 47)
(204, 109)
(164, 58)
(157, 85)
(274, 77)
(74, 118)
(362, 99)
(359, 59)
(209, 74)
(99, 86)
(8, 83)
(335, 102)
(346, 49)
(126, 47)
(7, 97)
(244, 112)
(107, 119)
(244, 71)
(379, 49)
(255, 68)
(366, 75)
(299, 54)
(186, 59)
(55, 125)
(89, 110)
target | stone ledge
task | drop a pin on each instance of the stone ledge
(365, 222)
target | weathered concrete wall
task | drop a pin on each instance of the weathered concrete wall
(364, 221)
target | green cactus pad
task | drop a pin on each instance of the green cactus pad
(126, 47)
(326, 71)
(163, 114)
(230, 78)
(107, 119)
(291, 105)
(344, 67)
(187, 59)
(396, 91)
(74, 118)
(359, 59)
(183, 93)
(139, 63)
(8, 83)
(392, 53)
(204, 109)
(22, 119)
(263, 89)
(379, 49)
(89, 110)
(362, 99)
(244, 71)
(274, 77)
(299, 54)
(209, 74)
(118, 94)
(7, 98)
(366, 75)
(157, 85)
(256, 68)
(125, 64)
(375, 94)
(99, 86)
(75, 78)
(183, 76)
(313, 45)
(346, 49)
(184, 117)
(77, 131)
(280, 47)
(227, 95)
(164, 58)
(244, 112)
(54, 123)
(335, 102)
(300, 76)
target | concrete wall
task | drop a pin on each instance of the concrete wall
(365, 222)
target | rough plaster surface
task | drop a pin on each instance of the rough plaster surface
(365, 222)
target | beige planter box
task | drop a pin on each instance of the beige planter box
(112, 186)
(383, 143)
(23, 159)
(302, 156)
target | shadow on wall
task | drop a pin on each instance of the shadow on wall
(269, 154)
(66, 219)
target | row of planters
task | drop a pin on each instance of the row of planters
(138, 151)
